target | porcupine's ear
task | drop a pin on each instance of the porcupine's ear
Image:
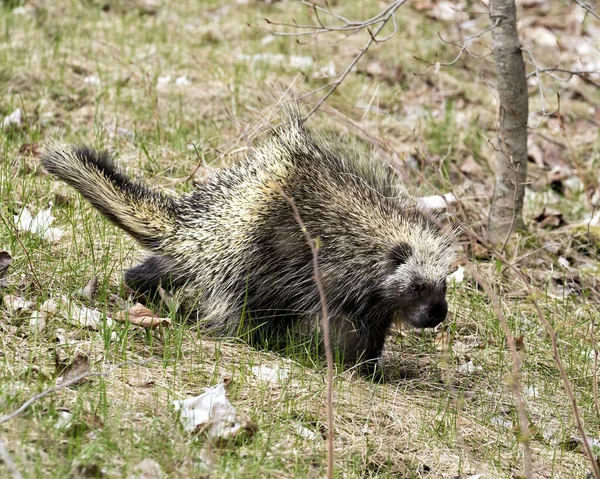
(399, 254)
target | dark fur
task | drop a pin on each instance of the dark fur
(379, 256)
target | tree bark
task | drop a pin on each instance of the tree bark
(506, 212)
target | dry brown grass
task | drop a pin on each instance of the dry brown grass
(438, 418)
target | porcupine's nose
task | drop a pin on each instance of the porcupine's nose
(437, 313)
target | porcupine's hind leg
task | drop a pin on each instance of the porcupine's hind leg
(154, 272)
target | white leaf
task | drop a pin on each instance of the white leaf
(305, 432)
(436, 202)
(267, 374)
(182, 81)
(14, 119)
(39, 224)
(92, 80)
(458, 276)
(78, 315)
(211, 411)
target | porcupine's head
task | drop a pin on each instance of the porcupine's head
(418, 263)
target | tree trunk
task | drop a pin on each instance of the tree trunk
(506, 212)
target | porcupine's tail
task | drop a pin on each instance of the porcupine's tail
(148, 216)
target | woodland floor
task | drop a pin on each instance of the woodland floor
(170, 85)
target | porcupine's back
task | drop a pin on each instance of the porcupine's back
(234, 247)
(243, 248)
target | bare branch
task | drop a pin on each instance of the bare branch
(351, 65)
(583, 74)
(347, 27)
(469, 40)
(515, 374)
(68, 383)
(554, 342)
(587, 8)
(325, 322)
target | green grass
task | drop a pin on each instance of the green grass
(431, 420)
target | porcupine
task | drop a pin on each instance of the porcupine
(234, 249)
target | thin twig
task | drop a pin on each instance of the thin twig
(583, 74)
(595, 375)
(587, 8)
(325, 321)
(555, 351)
(515, 374)
(68, 383)
(8, 462)
(467, 41)
(351, 65)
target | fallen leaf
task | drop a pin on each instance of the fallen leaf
(305, 432)
(535, 153)
(38, 224)
(75, 314)
(14, 120)
(520, 343)
(267, 374)
(471, 168)
(458, 276)
(469, 368)
(211, 413)
(14, 304)
(5, 261)
(37, 322)
(293, 61)
(553, 155)
(90, 289)
(556, 177)
(147, 469)
(448, 12)
(550, 217)
(575, 442)
(31, 149)
(64, 420)
(436, 202)
(139, 315)
(442, 341)
(381, 71)
(183, 81)
(80, 365)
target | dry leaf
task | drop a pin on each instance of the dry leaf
(267, 374)
(75, 314)
(380, 70)
(211, 413)
(37, 322)
(90, 289)
(38, 224)
(471, 168)
(458, 276)
(436, 202)
(550, 217)
(80, 365)
(5, 261)
(147, 469)
(448, 12)
(31, 149)
(139, 315)
(442, 340)
(14, 120)
(520, 343)
(14, 304)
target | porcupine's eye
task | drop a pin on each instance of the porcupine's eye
(416, 288)
(400, 253)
